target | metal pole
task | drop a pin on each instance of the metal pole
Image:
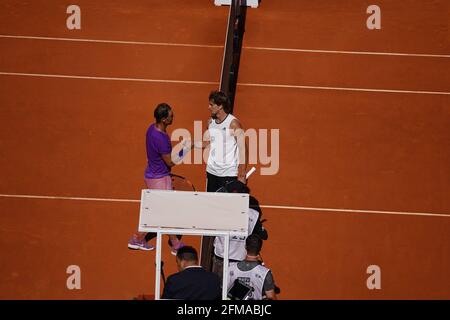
(158, 266)
(225, 266)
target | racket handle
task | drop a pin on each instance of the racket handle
(250, 172)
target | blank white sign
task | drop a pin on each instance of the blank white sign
(166, 209)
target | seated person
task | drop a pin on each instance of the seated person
(252, 273)
(192, 282)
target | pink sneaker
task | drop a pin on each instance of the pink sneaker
(135, 244)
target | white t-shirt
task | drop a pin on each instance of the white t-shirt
(223, 158)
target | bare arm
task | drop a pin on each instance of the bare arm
(271, 295)
(269, 287)
(238, 131)
(168, 160)
(207, 138)
(204, 143)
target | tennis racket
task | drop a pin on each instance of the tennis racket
(180, 183)
(224, 188)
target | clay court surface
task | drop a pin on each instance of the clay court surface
(364, 120)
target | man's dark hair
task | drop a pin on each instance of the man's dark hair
(187, 253)
(161, 111)
(253, 244)
(221, 99)
(236, 186)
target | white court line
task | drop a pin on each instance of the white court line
(216, 83)
(169, 44)
(358, 211)
(375, 53)
(219, 46)
(341, 88)
(428, 214)
(104, 78)
(27, 196)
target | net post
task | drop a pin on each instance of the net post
(233, 47)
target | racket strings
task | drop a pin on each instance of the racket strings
(180, 183)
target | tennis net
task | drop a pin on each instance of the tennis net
(232, 51)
